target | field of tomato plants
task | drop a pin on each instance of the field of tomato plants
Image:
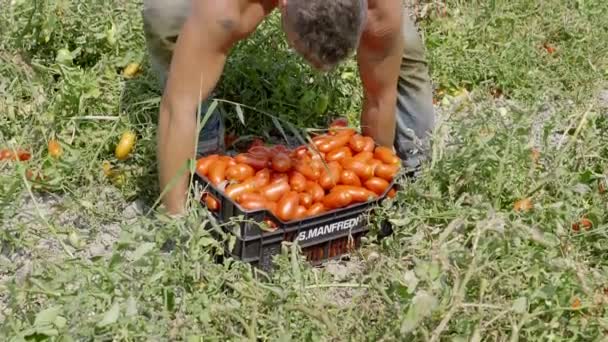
(502, 237)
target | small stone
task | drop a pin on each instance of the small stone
(134, 209)
(603, 99)
(23, 273)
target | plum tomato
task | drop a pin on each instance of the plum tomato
(217, 172)
(386, 171)
(330, 176)
(356, 143)
(339, 153)
(369, 144)
(315, 190)
(274, 191)
(287, 206)
(377, 185)
(211, 203)
(363, 170)
(349, 177)
(315, 209)
(281, 162)
(257, 162)
(297, 181)
(203, 164)
(386, 155)
(239, 172)
(337, 199)
(262, 178)
(305, 199)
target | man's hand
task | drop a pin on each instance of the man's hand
(197, 64)
(379, 59)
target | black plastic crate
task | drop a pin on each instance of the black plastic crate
(321, 238)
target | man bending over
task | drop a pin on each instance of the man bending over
(189, 42)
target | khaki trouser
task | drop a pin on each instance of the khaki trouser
(415, 114)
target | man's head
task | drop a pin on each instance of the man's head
(324, 32)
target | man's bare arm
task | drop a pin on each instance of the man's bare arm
(198, 61)
(379, 59)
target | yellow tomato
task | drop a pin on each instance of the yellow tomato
(131, 70)
(54, 148)
(125, 145)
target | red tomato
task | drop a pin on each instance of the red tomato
(392, 193)
(280, 149)
(211, 203)
(342, 131)
(339, 153)
(278, 177)
(5, 154)
(259, 151)
(287, 206)
(315, 190)
(257, 142)
(337, 199)
(377, 185)
(203, 164)
(300, 152)
(253, 205)
(305, 199)
(281, 162)
(234, 191)
(333, 143)
(250, 196)
(369, 144)
(239, 172)
(386, 155)
(297, 181)
(273, 191)
(330, 178)
(386, 171)
(363, 170)
(359, 194)
(356, 143)
(320, 140)
(270, 223)
(349, 177)
(315, 209)
(262, 178)
(364, 156)
(339, 122)
(217, 172)
(300, 212)
(23, 155)
(374, 163)
(306, 170)
(255, 161)
(229, 160)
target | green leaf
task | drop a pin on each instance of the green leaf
(111, 316)
(64, 56)
(142, 250)
(60, 322)
(47, 316)
(422, 306)
(520, 305)
(131, 307)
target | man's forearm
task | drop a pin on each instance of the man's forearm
(174, 131)
(378, 120)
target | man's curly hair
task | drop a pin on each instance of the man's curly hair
(328, 31)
